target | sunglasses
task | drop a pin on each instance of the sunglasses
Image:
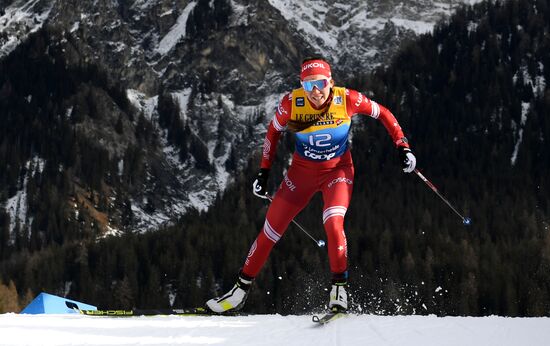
(320, 84)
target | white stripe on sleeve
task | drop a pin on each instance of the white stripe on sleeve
(375, 110)
(277, 125)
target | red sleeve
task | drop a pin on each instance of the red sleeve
(357, 103)
(276, 126)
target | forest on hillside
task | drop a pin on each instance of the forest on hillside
(472, 98)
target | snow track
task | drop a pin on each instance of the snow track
(271, 330)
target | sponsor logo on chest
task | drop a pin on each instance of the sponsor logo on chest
(306, 117)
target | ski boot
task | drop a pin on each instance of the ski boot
(234, 299)
(338, 301)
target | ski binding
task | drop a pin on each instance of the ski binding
(328, 317)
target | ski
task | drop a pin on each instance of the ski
(328, 317)
(148, 312)
(154, 312)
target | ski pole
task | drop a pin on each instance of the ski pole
(320, 243)
(465, 220)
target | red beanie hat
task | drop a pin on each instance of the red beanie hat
(311, 67)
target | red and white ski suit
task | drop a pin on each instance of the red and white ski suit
(321, 162)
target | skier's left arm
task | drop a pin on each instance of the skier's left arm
(358, 103)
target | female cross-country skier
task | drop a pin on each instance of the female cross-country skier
(319, 114)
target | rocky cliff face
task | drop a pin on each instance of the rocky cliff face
(222, 65)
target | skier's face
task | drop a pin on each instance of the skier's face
(319, 92)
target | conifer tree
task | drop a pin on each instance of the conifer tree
(9, 299)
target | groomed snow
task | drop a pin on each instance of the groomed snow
(274, 330)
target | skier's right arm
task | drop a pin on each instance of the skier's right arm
(276, 127)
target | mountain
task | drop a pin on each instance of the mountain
(171, 97)
(472, 97)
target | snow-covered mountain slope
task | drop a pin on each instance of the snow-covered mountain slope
(20, 19)
(363, 34)
(272, 330)
(225, 63)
